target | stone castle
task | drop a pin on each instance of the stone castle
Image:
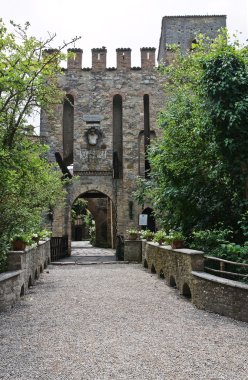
(106, 123)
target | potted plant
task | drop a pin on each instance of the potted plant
(176, 239)
(44, 234)
(35, 238)
(147, 235)
(160, 237)
(133, 234)
(20, 242)
(40, 234)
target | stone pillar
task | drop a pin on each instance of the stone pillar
(147, 58)
(133, 250)
(74, 59)
(99, 57)
(123, 57)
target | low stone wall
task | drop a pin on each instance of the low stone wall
(10, 288)
(184, 269)
(24, 267)
(219, 295)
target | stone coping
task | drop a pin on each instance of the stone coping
(187, 251)
(220, 280)
(29, 248)
(7, 275)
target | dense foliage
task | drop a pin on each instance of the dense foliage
(79, 209)
(29, 185)
(200, 165)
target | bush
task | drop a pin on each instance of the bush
(232, 252)
(4, 246)
(208, 240)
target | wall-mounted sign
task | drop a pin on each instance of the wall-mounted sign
(97, 154)
(143, 219)
(92, 118)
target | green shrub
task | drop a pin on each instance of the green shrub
(3, 256)
(232, 252)
(208, 240)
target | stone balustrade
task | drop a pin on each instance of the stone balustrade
(184, 270)
(24, 267)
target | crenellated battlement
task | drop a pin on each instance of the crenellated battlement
(99, 59)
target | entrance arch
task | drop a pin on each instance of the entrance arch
(100, 206)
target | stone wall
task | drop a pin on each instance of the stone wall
(184, 269)
(93, 91)
(182, 30)
(219, 295)
(24, 267)
(10, 288)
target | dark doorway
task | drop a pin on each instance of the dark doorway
(151, 224)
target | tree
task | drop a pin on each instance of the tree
(79, 209)
(29, 185)
(199, 168)
(29, 72)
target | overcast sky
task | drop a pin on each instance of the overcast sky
(115, 23)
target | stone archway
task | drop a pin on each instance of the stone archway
(101, 208)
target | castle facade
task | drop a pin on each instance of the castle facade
(107, 121)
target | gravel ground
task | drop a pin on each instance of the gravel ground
(116, 322)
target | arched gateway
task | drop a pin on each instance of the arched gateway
(93, 218)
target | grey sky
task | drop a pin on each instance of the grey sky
(127, 23)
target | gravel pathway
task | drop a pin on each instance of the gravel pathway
(116, 322)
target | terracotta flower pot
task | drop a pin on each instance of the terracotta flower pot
(18, 245)
(176, 244)
(133, 236)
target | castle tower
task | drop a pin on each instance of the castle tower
(182, 31)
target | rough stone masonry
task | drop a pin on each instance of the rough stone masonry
(107, 121)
